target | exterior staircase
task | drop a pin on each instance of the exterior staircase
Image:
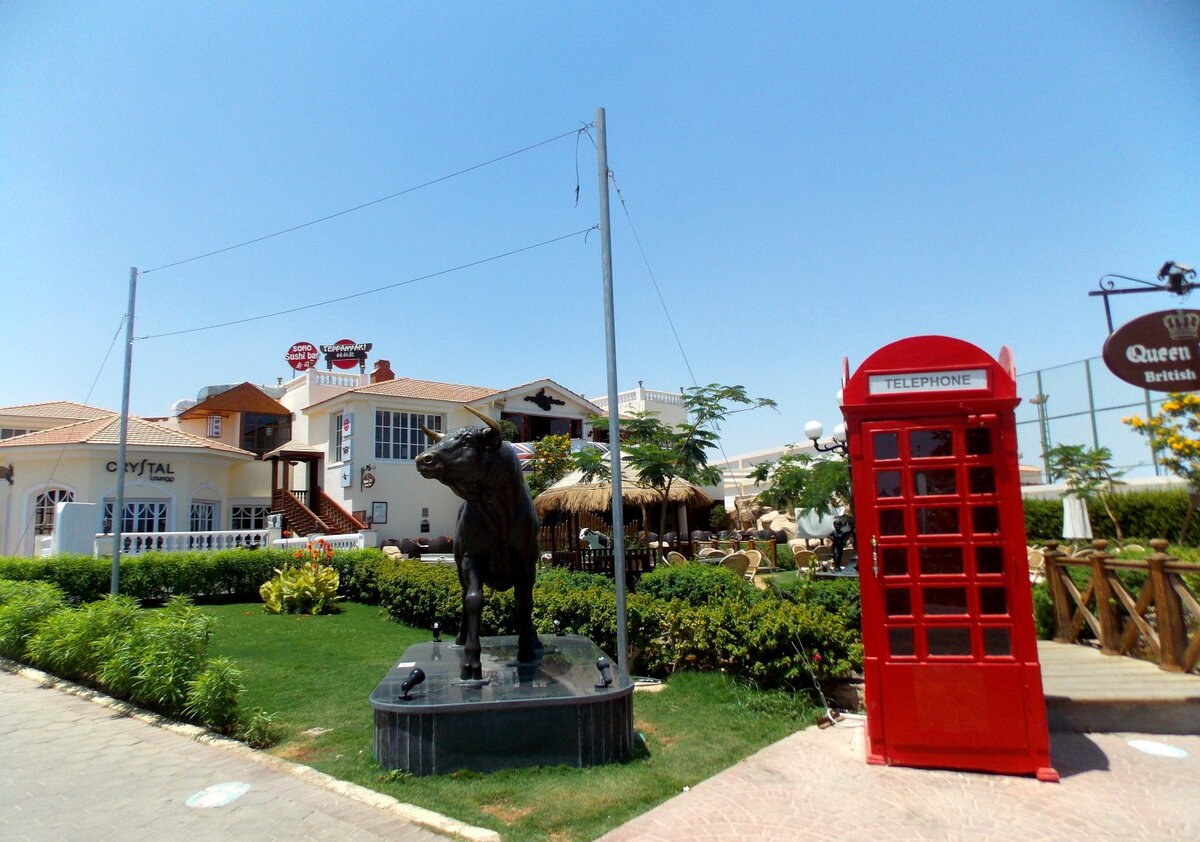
(328, 519)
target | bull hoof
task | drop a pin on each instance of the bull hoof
(471, 672)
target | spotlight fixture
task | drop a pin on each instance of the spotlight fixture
(604, 666)
(414, 678)
(437, 632)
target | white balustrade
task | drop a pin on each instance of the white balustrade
(136, 543)
(350, 541)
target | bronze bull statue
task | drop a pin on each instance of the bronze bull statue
(495, 539)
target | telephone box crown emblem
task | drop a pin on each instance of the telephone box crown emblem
(1182, 325)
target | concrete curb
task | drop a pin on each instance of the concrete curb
(410, 812)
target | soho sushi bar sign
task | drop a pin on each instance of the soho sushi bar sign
(344, 354)
(1158, 351)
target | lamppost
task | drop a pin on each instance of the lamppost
(842, 529)
(814, 430)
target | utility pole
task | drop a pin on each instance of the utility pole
(614, 429)
(118, 516)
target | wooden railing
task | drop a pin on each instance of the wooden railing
(1162, 620)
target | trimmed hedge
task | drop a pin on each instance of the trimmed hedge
(732, 628)
(1142, 514)
(156, 577)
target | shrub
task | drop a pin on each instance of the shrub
(421, 594)
(212, 695)
(22, 606)
(154, 663)
(65, 642)
(697, 584)
(840, 597)
(309, 588)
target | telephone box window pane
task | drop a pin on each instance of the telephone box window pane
(996, 642)
(887, 484)
(900, 643)
(940, 561)
(989, 560)
(887, 445)
(937, 521)
(925, 443)
(899, 602)
(895, 561)
(945, 600)
(992, 601)
(981, 480)
(979, 441)
(891, 521)
(948, 641)
(929, 483)
(985, 519)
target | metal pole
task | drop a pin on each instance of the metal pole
(1153, 452)
(1087, 367)
(614, 429)
(1044, 428)
(118, 516)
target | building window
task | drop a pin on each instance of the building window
(263, 433)
(335, 438)
(203, 516)
(44, 509)
(249, 517)
(10, 432)
(398, 434)
(140, 516)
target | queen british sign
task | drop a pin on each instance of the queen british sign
(1158, 351)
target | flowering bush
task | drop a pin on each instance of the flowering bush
(1174, 433)
(308, 588)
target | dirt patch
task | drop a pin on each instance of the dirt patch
(507, 814)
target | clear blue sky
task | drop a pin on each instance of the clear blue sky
(809, 181)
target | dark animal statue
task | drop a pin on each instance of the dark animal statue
(495, 540)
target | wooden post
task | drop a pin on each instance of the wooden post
(1059, 597)
(1106, 609)
(1172, 633)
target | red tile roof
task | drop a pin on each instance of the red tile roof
(106, 431)
(57, 410)
(407, 387)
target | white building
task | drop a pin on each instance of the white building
(332, 452)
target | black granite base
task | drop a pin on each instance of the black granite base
(550, 713)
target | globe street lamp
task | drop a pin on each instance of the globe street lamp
(814, 430)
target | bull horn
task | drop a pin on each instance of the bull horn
(489, 421)
(431, 434)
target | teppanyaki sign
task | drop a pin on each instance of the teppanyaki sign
(1158, 351)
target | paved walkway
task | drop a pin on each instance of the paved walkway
(71, 769)
(815, 785)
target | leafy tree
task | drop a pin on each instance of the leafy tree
(1174, 433)
(660, 455)
(508, 430)
(803, 481)
(551, 462)
(1088, 474)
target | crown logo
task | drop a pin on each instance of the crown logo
(1182, 325)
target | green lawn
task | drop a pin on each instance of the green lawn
(317, 673)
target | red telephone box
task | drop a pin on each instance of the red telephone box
(951, 670)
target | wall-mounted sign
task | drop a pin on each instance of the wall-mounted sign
(543, 401)
(927, 381)
(346, 354)
(347, 424)
(346, 450)
(347, 477)
(1157, 351)
(302, 356)
(153, 471)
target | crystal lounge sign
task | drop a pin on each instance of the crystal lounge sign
(1158, 351)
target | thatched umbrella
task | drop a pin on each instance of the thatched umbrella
(571, 495)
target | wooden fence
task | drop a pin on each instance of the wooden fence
(1162, 620)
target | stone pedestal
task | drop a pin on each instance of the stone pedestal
(549, 713)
